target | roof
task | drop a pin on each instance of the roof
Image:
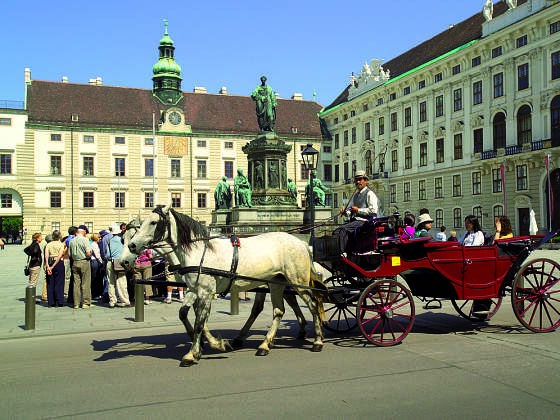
(130, 108)
(460, 34)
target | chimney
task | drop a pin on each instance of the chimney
(276, 95)
(223, 90)
(297, 97)
(98, 81)
(64, 79)
(27, 75)
(199, 89)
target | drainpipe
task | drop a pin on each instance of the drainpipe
(72, 172)
(191, 174)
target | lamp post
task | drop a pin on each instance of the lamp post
(309, 156)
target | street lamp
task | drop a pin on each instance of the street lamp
(309, 156)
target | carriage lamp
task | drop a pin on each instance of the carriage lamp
(309, 156)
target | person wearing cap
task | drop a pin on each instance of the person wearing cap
(106, 236)
(424, 225)
(364, 203)
(80, 251)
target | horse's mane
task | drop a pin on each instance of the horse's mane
(188, 229)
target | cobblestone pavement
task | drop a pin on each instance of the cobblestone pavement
(66, 320)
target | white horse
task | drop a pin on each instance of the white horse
(167, 252)
(276, 257)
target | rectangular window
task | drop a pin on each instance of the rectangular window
(439, 151)
(392, 96)
(201, 143)
(394, 125)
(365, 108)
(476, 183)
(422, 112)
(438, 187)
(175, 168)
(380, 101)
(336, 173)
(554, 27)
(148, 167)
(475, 61)
(407, 117)
(56, 165)
(423, 154)
(327, 172)
(439, 218)
(119, 140)
(438, 77)
(478, 140)
(457, 219)
(496, 180)
(55, 226)
(345, 117)
(88, 199)
(457, 100)
(422, 189)
(148, 200)
(119, 200)
(353, 167)
(439, 106)
(498, 211)
(336, 141)
(555, 60)
(523, 76)
(148, 141)
(88, 166)
(176, 200)
(56, 199)
(352, 113)
(381, 126)
(456, 69)
(201, 200)
(346, 137)
(496, 52)
(6, 201)
(228, 145)
(393, 193)
(56, 137)
(367, 131)
(304, 173)
(406, 191)
(498, 85)
(346, 176)
(456, 185)
(6, 121)
(394, 160)
(421, 84)
(201, 169)
(228, 168)
(119, 167)
(335, 121)
(521, 41)
(522, 183)
(88, 139)
(477, 212)
(406, 90)
(408, 157)
(5, 164)
(458, 146)
(326, 148)
(477, 92)
(353, 135)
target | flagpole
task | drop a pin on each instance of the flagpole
(503, 170)
(549, 192)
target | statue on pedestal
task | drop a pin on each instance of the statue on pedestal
(242, 190)
(318, 191)
(222, 195)
(292, 189)
(488, 10)
(265, 106)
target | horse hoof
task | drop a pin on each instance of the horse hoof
(317, 348)
(186, 363)
(262, 352)
(302, 335)
(236, 343)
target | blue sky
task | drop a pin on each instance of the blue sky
(301, 46)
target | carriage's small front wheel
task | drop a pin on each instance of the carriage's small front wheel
(478, 310)
(535, 295)
(385, 312)
(339, 317)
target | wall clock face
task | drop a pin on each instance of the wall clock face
(175, 118)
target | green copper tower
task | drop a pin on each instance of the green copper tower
(167, 73)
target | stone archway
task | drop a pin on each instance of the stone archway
(555, 192)
(11, 206)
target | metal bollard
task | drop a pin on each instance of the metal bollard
(234, 302)
(138, 302)
(30, 307)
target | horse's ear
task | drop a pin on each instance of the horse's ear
(166, 208)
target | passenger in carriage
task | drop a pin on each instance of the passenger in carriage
(503, 228)
(409, 230)
(474, 235)
(424, 225)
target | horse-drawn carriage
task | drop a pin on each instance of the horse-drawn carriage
(374, 281)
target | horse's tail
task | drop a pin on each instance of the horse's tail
(318, 295)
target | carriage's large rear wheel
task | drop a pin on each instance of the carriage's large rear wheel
(535, 295)
(339, 315)
(385, 312)
(477, 310)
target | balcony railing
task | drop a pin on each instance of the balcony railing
(513, 150)
(516, 149)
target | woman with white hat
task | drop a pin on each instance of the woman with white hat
(424, 225)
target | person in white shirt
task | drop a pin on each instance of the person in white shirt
(474, 235)
(441, 236)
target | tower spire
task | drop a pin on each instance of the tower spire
(167, 73)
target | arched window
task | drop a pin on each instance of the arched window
(477, 211)
(498, 211)
(439, 218)
(499, 124)
(369, 168)
(555, 119)
(524, 125)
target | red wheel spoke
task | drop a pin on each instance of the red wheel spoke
(382, 331)
(395, 298)
(547, 314)
(399, 306)
(403, 315)
(392, 332)
(533, 314)
(552, 306)
(374, 328)
(549, 285)
(551, 298)
(531, 284)
(397, 322)
(526, 298)
(371, 310)
(370, 319)
(528, 307)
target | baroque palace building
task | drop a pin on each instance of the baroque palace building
(95, 155)
(436, 124)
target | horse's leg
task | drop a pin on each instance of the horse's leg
(202, 309)
(217, 343)
(257, 308)
(292, 301)
(277, 298)
(312, 305)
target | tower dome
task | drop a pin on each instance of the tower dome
(167, 73)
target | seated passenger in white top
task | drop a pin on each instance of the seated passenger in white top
(474, 235)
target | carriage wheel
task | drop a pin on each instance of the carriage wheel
(385, 312)
(468, 308)
(535, 295)
(339, 316)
